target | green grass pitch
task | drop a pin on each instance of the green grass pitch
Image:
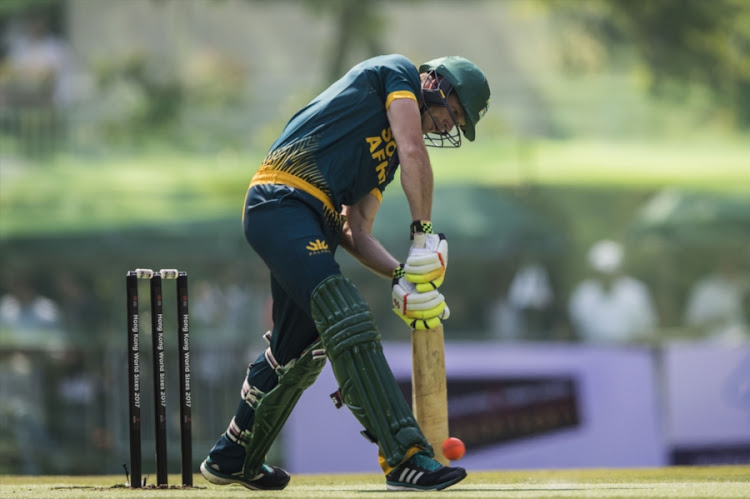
(667, 482)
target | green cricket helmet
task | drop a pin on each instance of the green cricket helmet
(469, 83)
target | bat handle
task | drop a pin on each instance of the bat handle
(419, 239)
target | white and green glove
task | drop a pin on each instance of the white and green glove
(428, 257)
(417, 310)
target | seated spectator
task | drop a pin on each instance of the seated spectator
(715, 304)
(28, 319)
(611, 307)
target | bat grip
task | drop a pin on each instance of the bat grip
(419, 239)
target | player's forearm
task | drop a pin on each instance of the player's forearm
(417, 182)
(370, 253)
(416, 171)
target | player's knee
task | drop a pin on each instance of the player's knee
(300, 372)
(342, 316)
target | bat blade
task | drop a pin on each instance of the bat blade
(428, 386)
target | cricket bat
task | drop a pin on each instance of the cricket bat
(429, 394)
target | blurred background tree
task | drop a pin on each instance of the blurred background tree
(358, 22)
(677, 45)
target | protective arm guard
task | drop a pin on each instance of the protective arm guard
(272, 409)
(367, 385)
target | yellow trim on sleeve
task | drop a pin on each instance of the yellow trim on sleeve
(378, 195)
(399, 94)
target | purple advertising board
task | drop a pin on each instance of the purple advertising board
(518, 406)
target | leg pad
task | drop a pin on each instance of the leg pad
(367, 385)
(272, 409)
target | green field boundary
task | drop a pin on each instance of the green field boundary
(83, 195)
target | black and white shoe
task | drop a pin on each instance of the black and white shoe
(268, 478)
(421, 472)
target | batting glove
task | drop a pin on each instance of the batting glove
(419, 323)
(417, 310)
(428, 257)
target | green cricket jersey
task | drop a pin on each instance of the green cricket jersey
(340, 147)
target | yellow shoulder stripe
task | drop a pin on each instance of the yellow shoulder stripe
(399, 94)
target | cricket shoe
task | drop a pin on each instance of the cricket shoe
(268, 477)
(421, 472)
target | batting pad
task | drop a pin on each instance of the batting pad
(272, 409)
(367, 385)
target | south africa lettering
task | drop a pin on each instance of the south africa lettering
(382, 148)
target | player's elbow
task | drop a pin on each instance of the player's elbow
(413, 153)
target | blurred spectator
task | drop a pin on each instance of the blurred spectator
(610, 307)
(715, 304)
(32, 339)
(233, 308)
(80, 390)
(23, 418)
(525, 311)
(36, 83)
(504, 320)
(38, 65)
(30, 319)
(81, 308)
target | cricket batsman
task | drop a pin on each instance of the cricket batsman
(320, 187)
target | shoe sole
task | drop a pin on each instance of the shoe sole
(222, 479)
(393, 487)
